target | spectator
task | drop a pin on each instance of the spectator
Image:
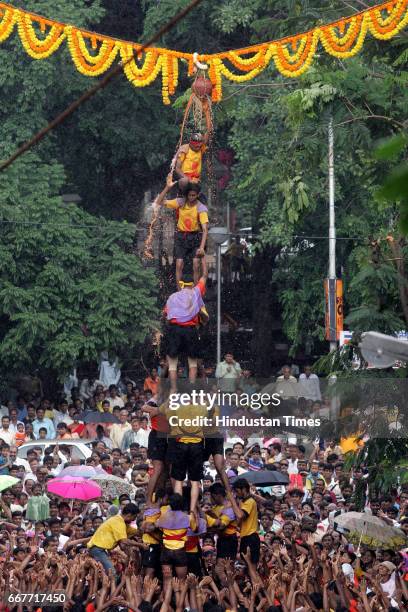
(309, 385)
(118, 430)
(151, 382)
(42, 421)
(228, 373)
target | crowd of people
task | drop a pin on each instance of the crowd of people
(191, 532)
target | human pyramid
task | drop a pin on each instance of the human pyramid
(173, 522)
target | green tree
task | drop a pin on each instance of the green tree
(71, 284)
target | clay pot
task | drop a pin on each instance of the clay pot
(202, 87)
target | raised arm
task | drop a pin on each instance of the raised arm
(169, 184)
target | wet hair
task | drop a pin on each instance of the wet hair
(217, 489)
(130, 509)
(241, 483)
(192, 187)
(176, 501)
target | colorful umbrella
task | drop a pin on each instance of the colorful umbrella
(364, 528)
(7, 481)
(70, 487)
(113, 486)
(82, 471)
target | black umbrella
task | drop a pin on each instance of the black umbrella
(98, 417)
(264, 478)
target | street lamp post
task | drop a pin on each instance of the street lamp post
(219, 235)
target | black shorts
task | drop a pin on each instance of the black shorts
(187, 460)
(175, 558)
(227, 547)
(151, 556)
(194, 564)
(254, 544)
(186, 244)
(182, 340)
(157, 446)
(213, 446)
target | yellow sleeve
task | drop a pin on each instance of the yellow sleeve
(203, 216)
(119, 530)
(131, 531)
(247, 505)
(225, 520)
(210, 520)
(193, 523)
(181, 156)
(171, 203)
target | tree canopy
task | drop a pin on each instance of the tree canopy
(120, 145)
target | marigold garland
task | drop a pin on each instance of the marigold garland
(85, 62)
(93, 54)
(38, 48)
(9, 18)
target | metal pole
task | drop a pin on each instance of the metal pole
(218, 303)
(228, 222)
(332, 219)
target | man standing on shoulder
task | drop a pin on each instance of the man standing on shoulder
(192, 227)
(184, 311)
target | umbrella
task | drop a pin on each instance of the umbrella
(364, 528)
(82, 471)
(7, 481)
(99, 417)
(113, 486)
(264, 478)
(70, 487)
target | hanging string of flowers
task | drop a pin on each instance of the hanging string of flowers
(93, 54)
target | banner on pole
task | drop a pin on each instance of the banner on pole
(334, 308)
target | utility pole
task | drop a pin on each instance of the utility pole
(332, 220)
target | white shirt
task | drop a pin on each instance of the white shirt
(227, 374)
(310, 387)
(287, 387)
(389, 586)
(142, 437)
(116, 433)
(116, 401)
(23, 462)
(292, 468)
(13, 428)
(7, 436)
(62, 417)
(61, 541)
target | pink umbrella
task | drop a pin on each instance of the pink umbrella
(70, 487)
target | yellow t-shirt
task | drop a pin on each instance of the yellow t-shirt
(181, 428)
(191, 162)
(190, 218)
(249, 524)
(175, 539)
(154, 537)
(228, 526)
(111, 532)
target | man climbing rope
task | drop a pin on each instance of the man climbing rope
(189, 157)
(184, 312)
(192, 227)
